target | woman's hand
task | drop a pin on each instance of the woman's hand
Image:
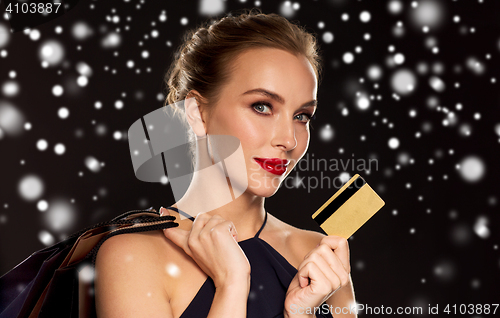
(212, 244)
(324, 270)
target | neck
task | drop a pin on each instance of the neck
(212, 192)
(247, 212)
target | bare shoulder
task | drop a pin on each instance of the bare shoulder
(128, 278)
(130, 248)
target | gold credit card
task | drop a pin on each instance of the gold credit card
(349, 208)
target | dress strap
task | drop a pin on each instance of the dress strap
(262, 227)
(181, 212)
(192, 218)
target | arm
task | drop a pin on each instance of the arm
(212, 243)
(344, 299)
(127, 283)
(126, 280)
(326, 265)
(230, 301)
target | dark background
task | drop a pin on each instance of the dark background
(436, 239)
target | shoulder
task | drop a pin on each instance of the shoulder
(136, 253)
(127, 274)
(130, 247)
(141, 250)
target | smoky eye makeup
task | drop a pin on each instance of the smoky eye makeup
(262, 104)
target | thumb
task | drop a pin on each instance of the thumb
(304, 276)
(164, 212)
(233, 232)
(304, 281)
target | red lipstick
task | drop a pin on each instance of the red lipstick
(274, 165)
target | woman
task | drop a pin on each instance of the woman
(252, 76)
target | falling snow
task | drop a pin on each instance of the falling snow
(413, 84)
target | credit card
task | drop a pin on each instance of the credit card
(349, 208)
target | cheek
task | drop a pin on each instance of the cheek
(251, 131)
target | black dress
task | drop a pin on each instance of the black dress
(271, 275)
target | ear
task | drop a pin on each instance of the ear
(193, 116)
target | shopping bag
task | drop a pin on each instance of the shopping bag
(46, 284)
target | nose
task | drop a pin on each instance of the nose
(284, 134)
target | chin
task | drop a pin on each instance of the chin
(261, 189)
(261, 193)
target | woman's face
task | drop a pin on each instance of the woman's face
(266, 104)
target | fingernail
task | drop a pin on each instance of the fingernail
(162, 211)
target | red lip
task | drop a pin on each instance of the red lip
(274, 165)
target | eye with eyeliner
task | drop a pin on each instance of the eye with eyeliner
(309, 116)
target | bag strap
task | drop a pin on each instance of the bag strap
(132, 212)
(122, 219)
(138, 221)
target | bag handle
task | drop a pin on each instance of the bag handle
(121, 220)
(143, 223)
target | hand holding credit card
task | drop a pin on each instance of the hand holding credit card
(349, 208)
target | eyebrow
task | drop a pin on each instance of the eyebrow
(277, 97)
